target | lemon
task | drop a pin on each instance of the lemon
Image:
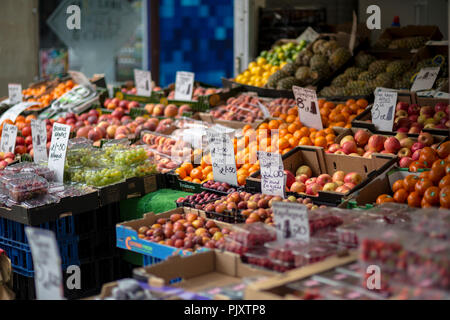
(273, 69)
(267, 67)
(252, 65)
(261, 61)
(266, 75)
(283, 64)
(246, 74)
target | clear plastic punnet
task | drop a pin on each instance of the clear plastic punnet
(253, 235)
(24, 186)
(283, 250)
(343, 292)
(258, 257)
(313, 252)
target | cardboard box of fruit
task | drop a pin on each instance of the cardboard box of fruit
(201, 272)
(179, 231)
(327, 177)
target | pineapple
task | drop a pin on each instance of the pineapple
(353, 72)
(339, 57)
(397, 67)
(340, 81)
(320, 65)
(274, 78)
(290, 68)
(304, 57)
(378, 66)
(363, 60)
(318, 46)
(366, 76)
(287, 83)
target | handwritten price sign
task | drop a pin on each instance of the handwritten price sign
(58, 148)
(9, 135)
(308, 107)
(425, 79)
(143, 82)
(291, 220)
(15, 93)
(184, 85)
(383, 109)
(39, 135)
(273, 179)
(222, 157)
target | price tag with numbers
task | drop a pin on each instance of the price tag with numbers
(425, 79)
(15, 93)
(184, 85)
(222, 157)
(264, 110)
(309, 35)
(273, 179)
(383, 109)
(58, 148)
(291, 220)
(143, 82)
(9, 135)
(39, 135)
(308, 107)
(47, 264)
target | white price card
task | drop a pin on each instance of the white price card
(308, 107)
(143, 82)
(273, 179)
(222, 157)
(291, 220)
(309, 35)
(425, 79)
(9, 135)
(39, 135)
(15, 93)
(58, 148)
(184, 85)
(47, 264)
(80, 78)
(13, 112)
(383, 110)
(264, 110)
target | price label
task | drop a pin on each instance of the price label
(291, 220)
(383, 110)
(143, 81)
(308, 107)
(9, 135)
(39, 135)
(264, 110)
(309, 35)
(47, 264)
(15, 93)
(425, 79)
(184, 86)
(80, 78)
(13, 112)
(58, 148)
(222, 157)
(273, 179)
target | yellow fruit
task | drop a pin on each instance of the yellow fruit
(252, 65)
(266, 75)
(283, 64)
(267, 66)
(261, 61)
(246, 74)
(273, 69)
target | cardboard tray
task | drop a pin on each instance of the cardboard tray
(274, 288)
(206, 117)
(127, 236)
(321, 162)
(200, 271)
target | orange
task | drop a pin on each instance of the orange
(305, 141)
(283, 143)
(263, 125)
(20, 119)
(330, 137)
(350, 101)
(196, 173)
(273, 124)
(283, 116)
(354, 108)
(328, 131)
(360, 111)
(348, 125)
(291, 118)
(29, 118)
(181, 172)
(187, 166)
(283, 132)
(210, 176)
(293, 127)
(293, 111)
(241, 180)
(304, 132)
(320, 133)
(246, 127)
(286, 151)
(207, 170)
(312, 135)
(321, 102)
(197, 181)
(340, 124)
(362, 103)
(329, 105)
(293, 141)
(325, 112)
(283, 126)
(242, 172)
(320, 142)
(189, 179)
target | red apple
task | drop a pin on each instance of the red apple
(290, 178)
(323, 179)
(392, 145)
(301, 178)
(334, 147)
(304, 170)
(404, 152)
(353, 177)
(376, 143)
(349, 147)
(405, 162)
(413, 109)
(362, 137)
(338, 176)
(416, 154)
(402, 106)
(298, 187)
(313, 189)
(425, 138)
(417, 146)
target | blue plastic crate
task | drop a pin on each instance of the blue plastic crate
(22, 261)
(149, 260)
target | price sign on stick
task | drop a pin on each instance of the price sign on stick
(291, 220)
(383, 110)
(309, 35)
(264, 110)
(184, 85)
(143, 82)
(222, 157)
(273, 179)
(15, 93)
(13, 112)
(9, 135)
(425, 79)
(308, 107)
(47, 264)
(39, 135)
(58, 148)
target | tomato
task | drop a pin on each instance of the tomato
(447, 168)
(424, 175)
(398, 185)
(444, 197)
(432, 195)
(382, 198)
(410, 182)
(437, 174)
(414, 199)
(415, 166)
(427, 156)
(425, 204)
(443, 150)
(439, 163)
(445, 181)
(400, 196)
(423, 185)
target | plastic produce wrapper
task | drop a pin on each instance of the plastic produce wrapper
(6, 282)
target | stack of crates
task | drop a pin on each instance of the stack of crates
(87, 240)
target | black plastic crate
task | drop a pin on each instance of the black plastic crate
(233, 218)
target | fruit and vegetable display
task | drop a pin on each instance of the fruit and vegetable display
(242, 108)
(198, 91)
(46, 93)
(412, 118)
(269, 62)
